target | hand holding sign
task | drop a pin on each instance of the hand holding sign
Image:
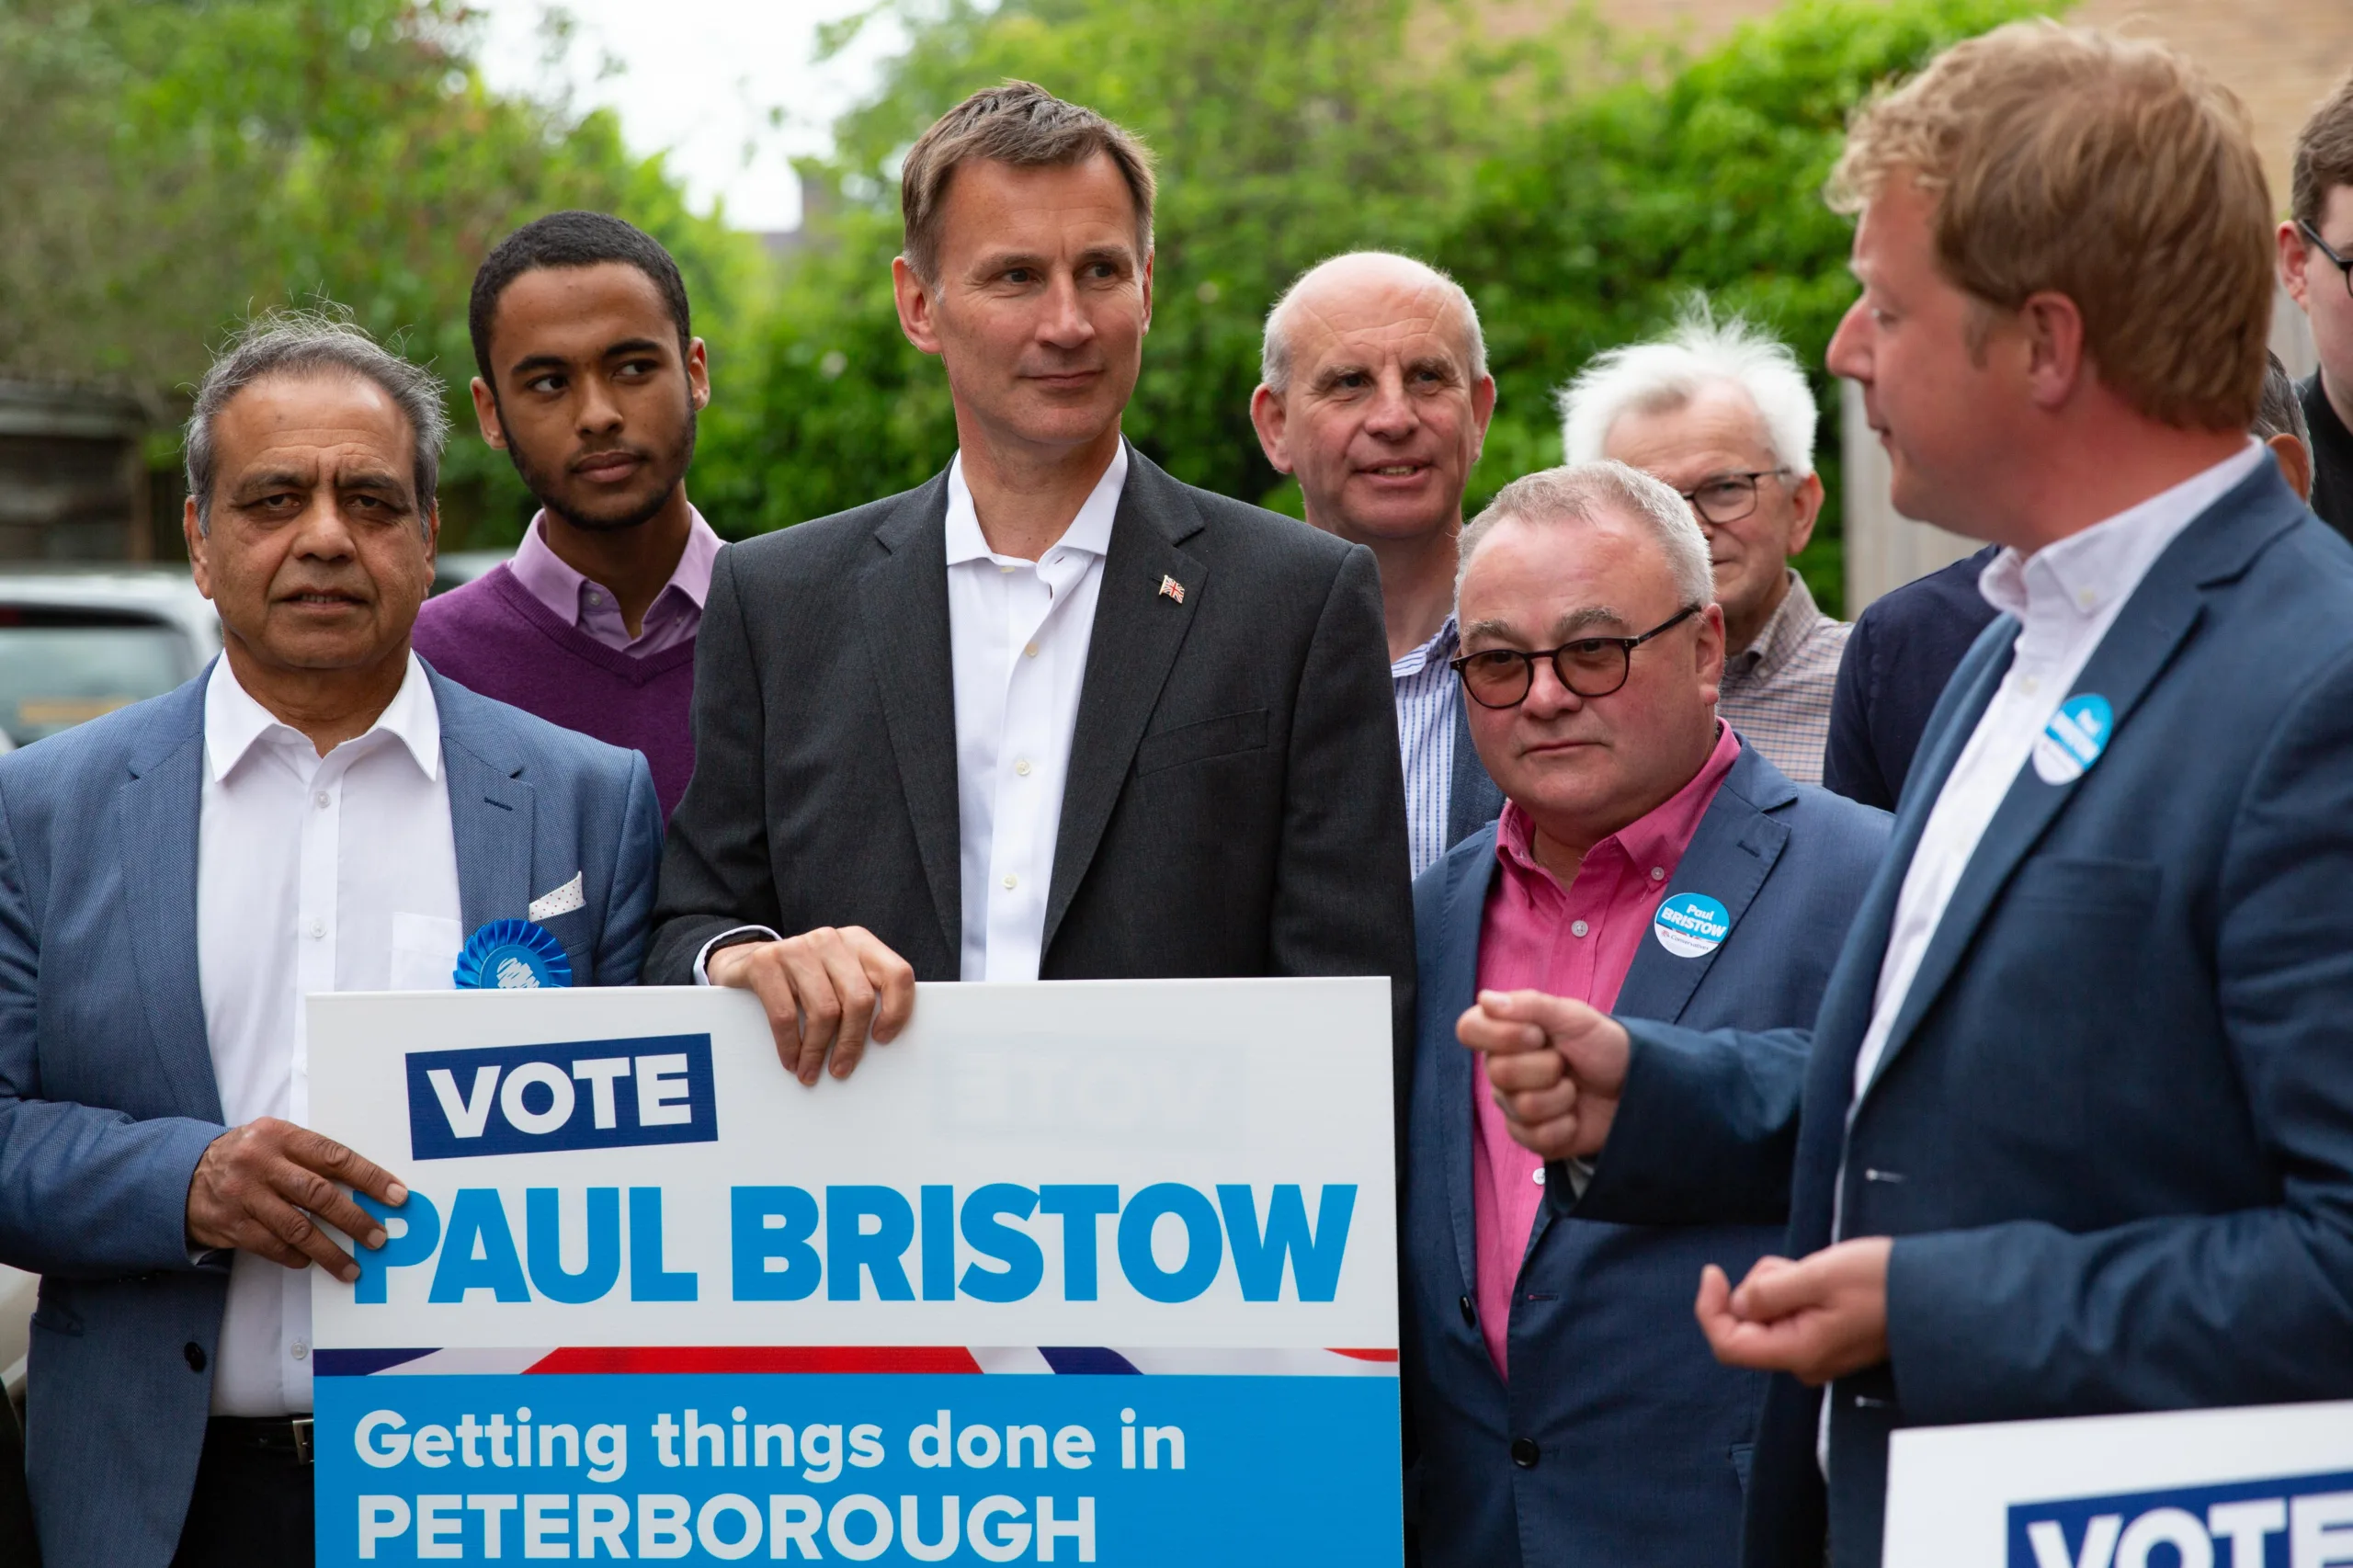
(1556, 1065)
(1818, 1318)
(825, 990)
(257, 1187)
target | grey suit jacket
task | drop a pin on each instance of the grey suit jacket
(107, 1091)
(1233, 807)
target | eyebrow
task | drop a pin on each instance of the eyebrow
(1330, 375)
(263, 483)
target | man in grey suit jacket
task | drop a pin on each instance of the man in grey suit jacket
(1053, 714)
(316, 812)
(1373, 390)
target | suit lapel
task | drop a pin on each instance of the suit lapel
(1138, 629)
(1728, 860)
(162, 806)
(493, 820)
(1451, 987)
(904, 593)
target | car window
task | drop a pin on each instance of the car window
(61, 668)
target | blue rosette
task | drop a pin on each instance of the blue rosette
(512, 955)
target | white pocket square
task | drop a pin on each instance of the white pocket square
(563, 901)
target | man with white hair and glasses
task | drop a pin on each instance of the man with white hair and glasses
(1721, 412)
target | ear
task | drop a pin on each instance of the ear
(1711, 650)
(917, 317)
(2051, 329)
(1806, 500)
(199, 564)
(493, 434)
(2295, 462)
(1270, 419)
(699, 373)
(1147, 292)
(1482, 409)
(2294, 257)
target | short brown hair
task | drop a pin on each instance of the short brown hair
(2323, 158)
(2108, 170)
(1022, 124)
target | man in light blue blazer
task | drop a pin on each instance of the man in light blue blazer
(316, 812)
(1566, 1409)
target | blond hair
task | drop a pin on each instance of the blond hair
(1022, 124)
(2111, 171)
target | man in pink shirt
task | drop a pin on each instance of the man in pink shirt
(591, 379)
(1564, 1409)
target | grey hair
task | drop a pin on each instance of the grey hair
(1700, 351)
(2281, 413)
(295, 343)
(1274, 353)
(1583, 493)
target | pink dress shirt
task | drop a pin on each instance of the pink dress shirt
(1578, 941)
(674, 616)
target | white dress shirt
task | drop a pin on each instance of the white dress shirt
(2065, 597)
(1018, 631)
(289, 903)
(1428, 696)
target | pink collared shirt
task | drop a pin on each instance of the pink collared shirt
(1578, 941)
(674, 616)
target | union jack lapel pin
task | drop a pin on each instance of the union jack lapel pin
(1172, 588)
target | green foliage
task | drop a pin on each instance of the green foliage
(1574, 185)
(172, 167)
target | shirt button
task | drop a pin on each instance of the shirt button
(300, 1351)
(1022, 767)
(318, 929)
(1011, 881)
(596, 599)
(1030, 652)
(1577, 927)
(323, 800)
(1658, 873)
(1537, 1175)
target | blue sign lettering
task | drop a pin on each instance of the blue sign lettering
(529, 1099)
(2286, 1522)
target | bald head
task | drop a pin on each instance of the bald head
(1377, 398)
(1388, 284)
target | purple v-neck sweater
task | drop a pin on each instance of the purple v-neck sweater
(492, 636)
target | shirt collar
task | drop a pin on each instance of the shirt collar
(550, 579)
(1441, 643)
(1784, 629)
(1658, 838)
(1089, 531)
(235, 723)
(2086, 572)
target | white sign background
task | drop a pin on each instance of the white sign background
(1122, 1081)
(1950, 1489)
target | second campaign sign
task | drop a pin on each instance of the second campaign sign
(1090, 1272)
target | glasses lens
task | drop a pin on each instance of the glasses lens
(1497, 679)
(1594, 667)
(1725, 500)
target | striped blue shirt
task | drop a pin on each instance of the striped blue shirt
(1426, 692)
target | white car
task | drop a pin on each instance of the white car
(77, 641)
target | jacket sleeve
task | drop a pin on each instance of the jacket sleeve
(1850, 759)
(2024, 1320)
(715, 873)
(1706, 1130)
(85, 1192)
(621, 949)
(1343, 902)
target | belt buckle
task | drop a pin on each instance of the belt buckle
(301, 1424)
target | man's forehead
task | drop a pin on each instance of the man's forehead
(991, 207)
(1557, 568)
(579, 312)
(310, 424)
(1378, 319)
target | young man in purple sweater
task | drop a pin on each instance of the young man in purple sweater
(591, 378)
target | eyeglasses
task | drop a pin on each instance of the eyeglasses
(1590, 667)
(2343, 266)
(1727, 497)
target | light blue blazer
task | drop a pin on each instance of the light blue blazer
(107, 1091)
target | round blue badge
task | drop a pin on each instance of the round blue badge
(2073, 739)
(1692, 924)
(512, 955)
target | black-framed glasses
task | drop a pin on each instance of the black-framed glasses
(2344, 265)
(1590, 667)
(1728, 498)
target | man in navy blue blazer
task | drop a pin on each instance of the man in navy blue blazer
(316, 812)
(1564, 1409)
(2074, 1132)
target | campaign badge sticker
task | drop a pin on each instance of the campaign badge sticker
(2073, 739)
(512, 955)
(1692, 924)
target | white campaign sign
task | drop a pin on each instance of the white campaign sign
(2244, 1488)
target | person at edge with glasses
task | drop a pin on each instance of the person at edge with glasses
(2316, 267)
(1648, 860)
(1720, 410)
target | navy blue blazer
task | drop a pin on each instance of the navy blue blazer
(1904, 647)
(2112, 1130)
(107, 1091)
(1619, 1439)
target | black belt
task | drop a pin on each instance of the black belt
(287, 1436)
